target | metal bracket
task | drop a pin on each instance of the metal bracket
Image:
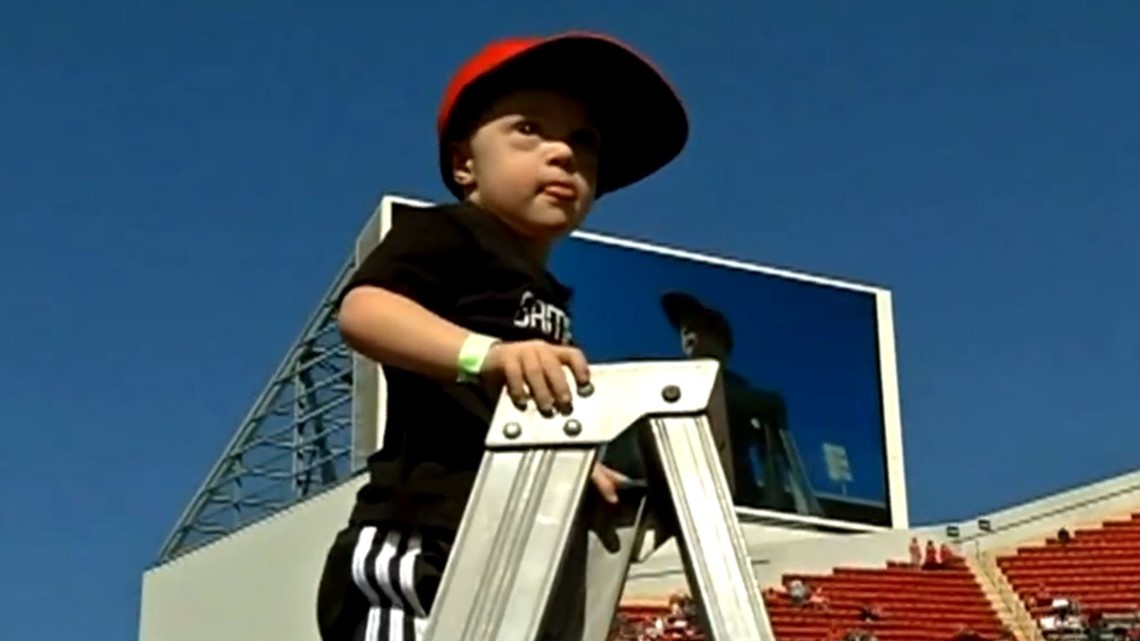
(618, 396)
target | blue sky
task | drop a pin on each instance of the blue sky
(180, 181)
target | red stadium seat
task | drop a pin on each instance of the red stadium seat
(1099, 568)
(916, 605)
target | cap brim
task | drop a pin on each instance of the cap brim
(679, 307)
(641, 119)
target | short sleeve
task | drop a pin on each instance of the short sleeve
(423, 258)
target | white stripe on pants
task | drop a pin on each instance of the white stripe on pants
(396, 613)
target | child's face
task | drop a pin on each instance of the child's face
(533, 161)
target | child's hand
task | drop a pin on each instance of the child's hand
(533, 369)
(607, 481)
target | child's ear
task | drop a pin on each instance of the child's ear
(462, 165)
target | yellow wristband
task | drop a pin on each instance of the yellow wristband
(472, 355)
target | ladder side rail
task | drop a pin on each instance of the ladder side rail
(508, 552)
(709, 537)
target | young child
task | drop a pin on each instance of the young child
(456, 302)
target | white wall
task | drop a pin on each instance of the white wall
(257, 584)
(1085, 505)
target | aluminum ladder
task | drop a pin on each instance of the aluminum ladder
(539, 556)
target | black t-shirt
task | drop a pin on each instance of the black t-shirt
(466, 266)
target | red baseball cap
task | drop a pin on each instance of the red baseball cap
(641, 119)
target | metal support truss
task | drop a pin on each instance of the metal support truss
(295, 442)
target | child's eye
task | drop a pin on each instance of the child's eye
(527, 127)
(587, 139)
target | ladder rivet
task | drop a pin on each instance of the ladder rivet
(512, 430)
(671, 393)
(572, 428)
(586, 390)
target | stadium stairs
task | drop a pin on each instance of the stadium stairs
(1005, 601)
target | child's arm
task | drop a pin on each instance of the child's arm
(389, 328)
(394, 330)
(386, 314)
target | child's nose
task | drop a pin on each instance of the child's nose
(562, 155)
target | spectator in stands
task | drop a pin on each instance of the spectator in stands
(682, 613)
(625, 629)
(1096, 628)
(946, 555)
(677, 605)
(798, 592)
(817, 600)
(803, 595)
(915, 553)
(1063, 536)
(931, 561)
(673, 625)
(690, 608)
(1064, 616)
(869, 612)
(654, 631)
